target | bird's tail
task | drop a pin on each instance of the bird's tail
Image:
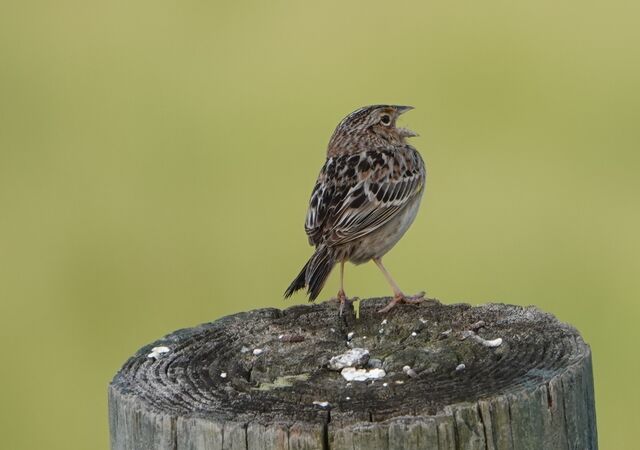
(314, 273)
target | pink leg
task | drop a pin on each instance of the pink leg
(342, 297)
(398, 296)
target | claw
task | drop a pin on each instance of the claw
(411, 300)
(344, 300)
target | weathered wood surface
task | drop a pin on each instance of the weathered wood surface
(534, 391)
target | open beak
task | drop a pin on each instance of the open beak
(405, 132)
(403, 109)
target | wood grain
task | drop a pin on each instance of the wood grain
(212, 391)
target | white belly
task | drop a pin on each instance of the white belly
(378, 243)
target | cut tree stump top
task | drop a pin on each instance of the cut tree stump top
(455, 376)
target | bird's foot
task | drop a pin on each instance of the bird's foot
(401, 298)
(343, 300)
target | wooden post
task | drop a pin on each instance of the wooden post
(439, 377)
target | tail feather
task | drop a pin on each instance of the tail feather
(319, 268)
(298, 283)
(314, 274)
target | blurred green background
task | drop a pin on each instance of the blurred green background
(156, 160)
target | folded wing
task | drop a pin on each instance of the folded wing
(357, 194)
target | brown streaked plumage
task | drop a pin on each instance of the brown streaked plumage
(366, 197)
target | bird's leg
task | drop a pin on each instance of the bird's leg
(398, 296)
(342, 297)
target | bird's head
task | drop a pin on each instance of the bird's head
(369, 127)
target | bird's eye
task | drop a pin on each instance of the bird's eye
(385, 120)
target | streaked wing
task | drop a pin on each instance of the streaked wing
(357, 194)
(325, 198)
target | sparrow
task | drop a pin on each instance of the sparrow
(366, 197)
